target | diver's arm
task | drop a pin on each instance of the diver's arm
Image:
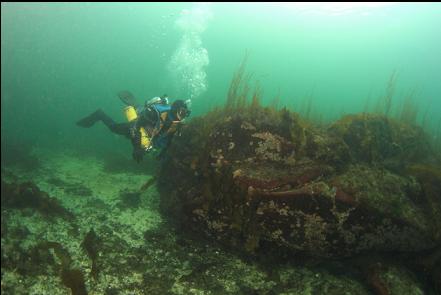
(137, 154)
(138, 151)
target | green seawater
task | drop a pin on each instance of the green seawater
(62, 61)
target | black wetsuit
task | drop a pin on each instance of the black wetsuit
(148, 118)
(130, 130)
(99, 115)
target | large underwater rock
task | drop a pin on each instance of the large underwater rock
(259, 178)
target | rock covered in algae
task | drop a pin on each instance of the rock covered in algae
(260, 178)
(373, 138)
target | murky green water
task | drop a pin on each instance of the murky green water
(60, 62)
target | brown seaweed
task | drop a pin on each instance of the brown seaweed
(28, 195)
(71, 278)
(74, 279)
(91, 245)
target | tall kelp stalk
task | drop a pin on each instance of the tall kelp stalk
(425, 121)
(409, 109)
(390, 91)
(406, 110)
(257, 97)
(239, 90)
(385, 104)
(243, 97)
(239, 87)
(437, 137)
(275, 103)
(307, 105)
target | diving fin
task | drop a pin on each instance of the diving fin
(90, 120)
(127, 98)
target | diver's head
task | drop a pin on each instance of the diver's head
(164, 99)
(181, 109)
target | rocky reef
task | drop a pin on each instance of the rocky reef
(267, 182)
(73, 227)
(259, 177)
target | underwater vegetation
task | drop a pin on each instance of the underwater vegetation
(91, 245)
(255, 178)
(28, 195)
(71, 277)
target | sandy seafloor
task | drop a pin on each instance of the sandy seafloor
(139, 252)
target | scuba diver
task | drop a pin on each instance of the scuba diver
(149, 127)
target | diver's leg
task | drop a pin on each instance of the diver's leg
(90, 120)
(120, 128)
(99, 115)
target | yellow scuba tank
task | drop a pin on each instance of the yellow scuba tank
(131, 115)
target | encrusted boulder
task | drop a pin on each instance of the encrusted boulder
(264, 177)
(373, 138)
